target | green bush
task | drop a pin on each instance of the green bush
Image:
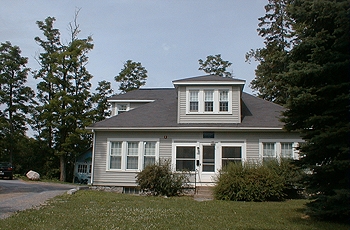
(158, 179)
(255, 182)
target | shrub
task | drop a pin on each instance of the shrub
(158, 179)
(254, 182)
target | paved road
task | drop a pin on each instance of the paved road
(16, 195)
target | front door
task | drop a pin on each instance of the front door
(206, 166)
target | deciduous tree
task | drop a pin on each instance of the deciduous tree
(214, 65)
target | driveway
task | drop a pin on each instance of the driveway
(17, 195)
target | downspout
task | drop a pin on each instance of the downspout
(93, 156)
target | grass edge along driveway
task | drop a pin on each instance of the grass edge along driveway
(105, 210)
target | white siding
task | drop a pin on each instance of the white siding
(103, 177)
(235, 117)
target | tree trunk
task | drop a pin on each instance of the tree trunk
(62, 168)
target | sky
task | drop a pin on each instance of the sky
(167, 37)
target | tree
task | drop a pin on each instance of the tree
(15, 99)
(64, 93)
(318, 105)
(99, 98)
(214, 65)
(132, 76)
(275, 28)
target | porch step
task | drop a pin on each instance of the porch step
(204, 193)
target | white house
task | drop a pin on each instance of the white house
(199, 125)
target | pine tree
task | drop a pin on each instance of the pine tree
(275, 28)
(15, 99)
(318, 106)
(132, 76)
(101, 110)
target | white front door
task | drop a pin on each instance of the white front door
(206, 162)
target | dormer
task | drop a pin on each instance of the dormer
(209, 99)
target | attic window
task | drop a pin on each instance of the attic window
(208, 135)
(121, 108)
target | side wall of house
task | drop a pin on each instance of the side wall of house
(104, 177)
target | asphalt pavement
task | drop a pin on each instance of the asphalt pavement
(17, 195)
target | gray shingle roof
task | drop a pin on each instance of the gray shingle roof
(162, 113)
(210, 78)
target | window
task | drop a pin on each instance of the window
(185, 158)
(132, 155)
(277, 149)
(150, 153)
(208, 135)
(287, 150)
(231, 154)
(193, 101)
(209, 100)
(121, 108)
(115, 155)
(223, 101)
(269, 151)
(82, 168)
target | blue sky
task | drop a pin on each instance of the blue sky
(166, 36)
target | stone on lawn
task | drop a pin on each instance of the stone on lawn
(32, 175)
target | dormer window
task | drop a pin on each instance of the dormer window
(121, 108)
(194, 100)
(223, 100)
(209, 101)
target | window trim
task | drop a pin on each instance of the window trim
(117, 111)
(278, 147)
(124, 155)
(202, 100)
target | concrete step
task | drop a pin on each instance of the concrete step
(204, 193)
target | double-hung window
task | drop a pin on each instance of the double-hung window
(194, 101)
(115, 155)
(132, 155)
(121, 108)
(223, 100)
(269, 152)
(149, 153)
(208, 100)
(287, 150)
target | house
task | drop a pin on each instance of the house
(200, 125)
(83, 167)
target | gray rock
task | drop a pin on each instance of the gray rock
(32, 175)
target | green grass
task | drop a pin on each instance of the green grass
(103, 210)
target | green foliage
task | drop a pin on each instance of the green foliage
(101, 111)
(214, 65)
(275, 28)
(132, 76)
(158, 179)
(15, 100)
(65, 107)
(318, 105)
(256, 182)
(305, 66)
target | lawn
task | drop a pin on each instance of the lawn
(104, 210)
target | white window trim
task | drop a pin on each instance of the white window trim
(140, 155)
(278, 147)
(218, 148)
(117, 110)
(201, 100)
